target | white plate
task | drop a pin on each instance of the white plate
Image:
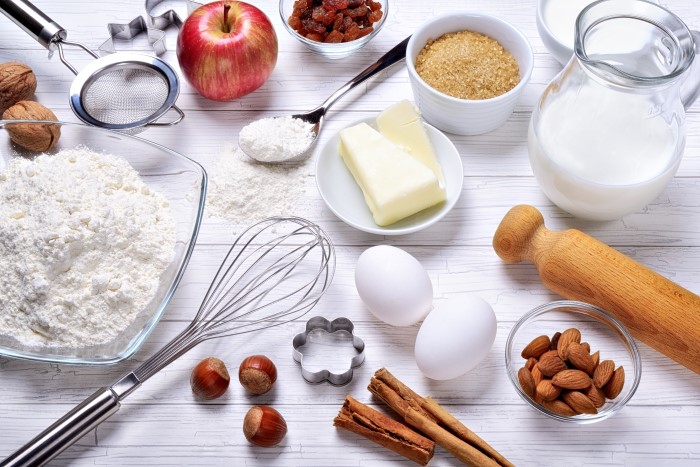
(344, 197)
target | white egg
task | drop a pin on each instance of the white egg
(455, 337)
(393, 285)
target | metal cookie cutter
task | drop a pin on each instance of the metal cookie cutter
(128, 31)
(169, 17)
(334, 334)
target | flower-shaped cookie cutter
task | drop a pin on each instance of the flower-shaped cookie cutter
(341, 329)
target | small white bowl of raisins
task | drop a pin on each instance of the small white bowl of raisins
(334, 28)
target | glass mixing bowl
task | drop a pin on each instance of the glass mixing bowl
(327, 50)
(602, 331)
(181, 180)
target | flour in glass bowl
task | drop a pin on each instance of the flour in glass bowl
(83, 243)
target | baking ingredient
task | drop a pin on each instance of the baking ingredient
(334, 21)
(257, 374)
(264, 426)
(560, 18)
(394, 184)
(365, 421)
(467, 65)
(83, 243)
(455, 337)
(393, 285)
(209, 379)
(401, 124)
(570, 385)
(31, 136)
(276, 139)
(227, 49)
(431, 419)
(17, 83)
(576, 266)
(243, 191)
(598, 155)
(536, 347)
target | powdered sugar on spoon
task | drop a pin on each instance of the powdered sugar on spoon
(290, 139)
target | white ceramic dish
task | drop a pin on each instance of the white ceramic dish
(344, 197)
(462, 116)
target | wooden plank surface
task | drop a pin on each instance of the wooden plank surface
(162, 424)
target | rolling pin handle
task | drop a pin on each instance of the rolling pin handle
(516, 233)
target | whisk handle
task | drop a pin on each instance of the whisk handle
(66, 431)
(33, 21)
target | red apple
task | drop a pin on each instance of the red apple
(227, 49)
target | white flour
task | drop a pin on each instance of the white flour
(276, 139)
(242, 191)
(83, 242)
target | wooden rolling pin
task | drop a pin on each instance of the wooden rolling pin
(657, 311)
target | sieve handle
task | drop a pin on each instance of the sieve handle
(33, 21)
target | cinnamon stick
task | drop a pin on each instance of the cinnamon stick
(434, 421)
(365, 421)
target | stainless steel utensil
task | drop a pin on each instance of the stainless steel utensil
(275, 272)
(122, 91)
(315, 117)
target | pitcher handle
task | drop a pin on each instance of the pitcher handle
(690, 88)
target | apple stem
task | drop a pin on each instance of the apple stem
(227, 27)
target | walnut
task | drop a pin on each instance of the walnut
(33, 136)
(17, 83)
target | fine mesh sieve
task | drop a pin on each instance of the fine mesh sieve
(122, 91)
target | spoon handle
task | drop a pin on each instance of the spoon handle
(393, 56)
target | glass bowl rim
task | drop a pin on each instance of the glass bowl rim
(602, 317)
(138, 339)
(336, 47)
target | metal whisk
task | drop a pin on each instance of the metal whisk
(275, 272)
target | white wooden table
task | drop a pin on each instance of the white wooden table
(162, 424)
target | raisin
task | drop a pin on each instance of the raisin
(356, 12)
(315, 27)
(318, 13)
(351, 33)
(374, 6)
(334, 36)
(347, 21)
(294, 22)
(338, 23)
(375, 16)
(335, 4)
(315, 37)
(365, 31)
(354, 3)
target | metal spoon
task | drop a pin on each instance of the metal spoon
(315, 117)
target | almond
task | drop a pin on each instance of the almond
(554, 340)
(537, 374)
(596, 396)
(560, 407)
(579, 402)
(526, 381)
(549, 353)
(603, 373)
(547, 391)
(537, 347)
(551, 365)
(596, 358)
(567, 337)
(530, 363)
(572, 379)
(614, 386)
(580, 358)
(586, 346)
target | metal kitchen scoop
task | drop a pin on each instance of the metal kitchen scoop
(315, 117)
(122, 91)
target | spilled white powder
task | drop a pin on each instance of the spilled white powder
(243, 191)
(276, 139)
(83, 242)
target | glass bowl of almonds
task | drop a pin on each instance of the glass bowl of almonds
(334, 29)
(573, 362)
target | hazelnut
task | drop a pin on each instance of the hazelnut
(32, 136)
(264, 426)
(257, 374)
(209, 379)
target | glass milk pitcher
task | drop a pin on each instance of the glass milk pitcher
(609, 131)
